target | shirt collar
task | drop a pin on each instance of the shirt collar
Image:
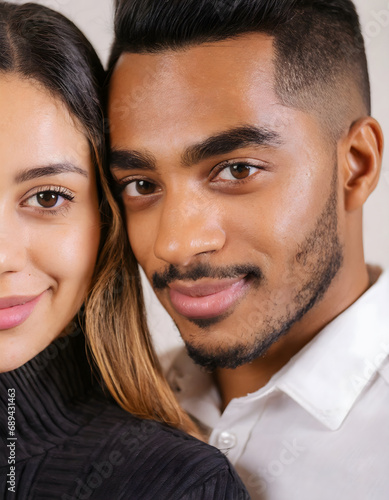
(330, 373)
(325, 378)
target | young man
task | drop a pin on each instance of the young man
(245, 150)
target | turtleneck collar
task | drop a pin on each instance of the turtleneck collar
(51, 394)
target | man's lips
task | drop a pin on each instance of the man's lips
(206, 298)
(15, 310)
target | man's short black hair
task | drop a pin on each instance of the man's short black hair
(320, 60)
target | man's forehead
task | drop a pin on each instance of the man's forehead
(246, 53)
(167, 101)
(218, 81)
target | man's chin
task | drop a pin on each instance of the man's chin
(214, 357)
(227, 357)
(205, 323)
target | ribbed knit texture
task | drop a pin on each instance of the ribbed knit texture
(75, 442)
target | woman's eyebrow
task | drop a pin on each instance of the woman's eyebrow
(53, 169)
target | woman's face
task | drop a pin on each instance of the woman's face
(49, 219)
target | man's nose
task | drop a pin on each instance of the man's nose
(189, 226)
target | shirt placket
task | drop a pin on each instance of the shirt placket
(236, 424)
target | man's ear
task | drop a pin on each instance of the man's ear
(361, 158)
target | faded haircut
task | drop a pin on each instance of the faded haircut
(320, 60)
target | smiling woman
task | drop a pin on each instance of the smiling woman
(49, 219)
(61, 244)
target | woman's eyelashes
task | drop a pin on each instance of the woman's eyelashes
(49, 200)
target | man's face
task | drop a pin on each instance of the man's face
(230, 197)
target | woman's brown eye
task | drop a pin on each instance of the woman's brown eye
(144, 187)
(47, 199)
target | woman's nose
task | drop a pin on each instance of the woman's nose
(13, 251)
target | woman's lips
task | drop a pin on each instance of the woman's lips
(15, 310)
(206, 299)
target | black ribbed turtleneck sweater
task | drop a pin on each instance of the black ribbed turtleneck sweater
(74, 442)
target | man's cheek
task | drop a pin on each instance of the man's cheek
(141, 252)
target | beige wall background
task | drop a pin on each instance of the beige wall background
(95, 18)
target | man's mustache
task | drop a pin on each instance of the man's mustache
(199, 271)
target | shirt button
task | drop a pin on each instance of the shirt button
(226, 440)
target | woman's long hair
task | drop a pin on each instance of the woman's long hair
(40, 44)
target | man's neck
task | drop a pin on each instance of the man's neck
(251, 377)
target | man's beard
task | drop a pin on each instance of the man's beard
(319, 258)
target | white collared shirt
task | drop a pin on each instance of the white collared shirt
(319, 430)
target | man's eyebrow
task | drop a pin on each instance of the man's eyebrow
(228, 141)
(124, 159)
(54, 169)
